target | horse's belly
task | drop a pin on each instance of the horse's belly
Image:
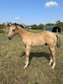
(38, 43)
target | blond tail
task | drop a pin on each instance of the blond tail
(58, 41)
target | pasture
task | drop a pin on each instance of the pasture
(12, 60)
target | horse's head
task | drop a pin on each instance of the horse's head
(12, 31)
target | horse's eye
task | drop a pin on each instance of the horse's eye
(13, 30)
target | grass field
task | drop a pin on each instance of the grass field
(38, 72)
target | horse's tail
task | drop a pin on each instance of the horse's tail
(58, 41)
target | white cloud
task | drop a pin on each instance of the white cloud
(17, 18)
(51, 4)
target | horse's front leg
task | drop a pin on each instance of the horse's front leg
(27, 55)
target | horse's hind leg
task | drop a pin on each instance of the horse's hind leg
(51, 60)
(53, 57)
(27, 55)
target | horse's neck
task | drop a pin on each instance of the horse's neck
(22, 32)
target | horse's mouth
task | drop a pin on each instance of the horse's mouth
(9, 38)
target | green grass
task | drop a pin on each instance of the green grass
(38, 71)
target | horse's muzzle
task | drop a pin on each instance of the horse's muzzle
(9, 38)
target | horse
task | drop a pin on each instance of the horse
(36, 39)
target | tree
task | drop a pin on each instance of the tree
(59, 24)
(50, 24)
(34, 26)
(41, 26)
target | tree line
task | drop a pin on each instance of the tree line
(35, 26)
(42, 26)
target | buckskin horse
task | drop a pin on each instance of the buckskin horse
(36, 39)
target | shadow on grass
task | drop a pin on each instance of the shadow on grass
(38, 55)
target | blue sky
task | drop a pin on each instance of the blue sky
(31, 11)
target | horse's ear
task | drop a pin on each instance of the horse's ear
(9, 24)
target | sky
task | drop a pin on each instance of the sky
(31, 11)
